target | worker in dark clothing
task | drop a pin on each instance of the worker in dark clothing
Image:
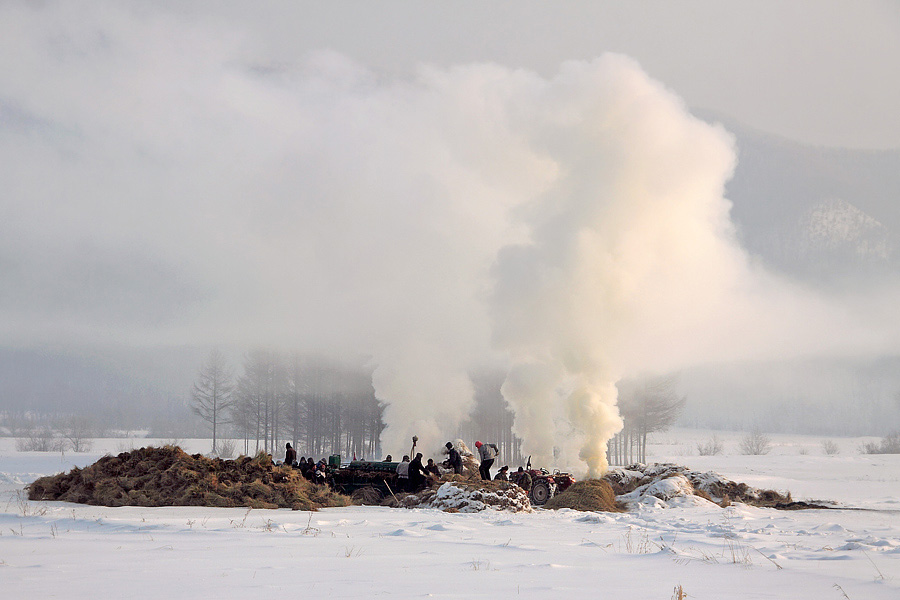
(432, 469)
(290, 455)
(502, 474)
(308, 469)
(523, 479)
(417, 474)
(454, 460)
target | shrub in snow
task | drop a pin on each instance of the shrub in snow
(755, 443)
(711, 447)
(41, 440)
(890, 444)
(830, 447)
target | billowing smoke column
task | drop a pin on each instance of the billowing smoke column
(570, 228)
(629, 248)
(618, 251)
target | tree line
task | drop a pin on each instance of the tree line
(320, 405)
(646, 405)
(325, 406)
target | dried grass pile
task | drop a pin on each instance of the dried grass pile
(168, 476)
(588, 495)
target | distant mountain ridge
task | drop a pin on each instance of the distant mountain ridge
(820, 214)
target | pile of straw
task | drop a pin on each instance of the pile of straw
(168, 476)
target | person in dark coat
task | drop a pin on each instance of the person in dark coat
(290, 455)
(417, 474)
(502, 474)
(454, 460)
(432, 469)
(306, 468)
(523, 479)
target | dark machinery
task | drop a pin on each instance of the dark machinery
(371, 481)
(544, 484)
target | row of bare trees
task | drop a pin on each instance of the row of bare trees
(324, 406)
(319, 405)
(646, 405)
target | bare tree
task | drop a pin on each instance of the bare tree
(78, 431)
(211, 394)
(646, 405)
(41, 439)
(755, 443)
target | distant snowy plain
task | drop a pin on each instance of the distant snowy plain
(63, 550)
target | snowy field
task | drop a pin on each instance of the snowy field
(55, 549)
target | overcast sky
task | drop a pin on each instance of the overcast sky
(819, 71)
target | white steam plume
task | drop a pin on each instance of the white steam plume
(202, 192)
(631, 238)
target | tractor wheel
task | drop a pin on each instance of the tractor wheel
(540, 493)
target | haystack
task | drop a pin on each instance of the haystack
(591, 494)
(168, 476)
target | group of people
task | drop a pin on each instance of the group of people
(412, 475)
(488, 454)
(309, 468)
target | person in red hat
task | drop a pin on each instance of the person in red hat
(487, 452)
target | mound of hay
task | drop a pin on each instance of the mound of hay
(458, 494)
(168, 476)
(588, 495)
(659, 484)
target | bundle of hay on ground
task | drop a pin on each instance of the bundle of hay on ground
(665, 484)
(168, 476)
(458, 494)
(588, 495)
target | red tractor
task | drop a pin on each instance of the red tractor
(544, 484)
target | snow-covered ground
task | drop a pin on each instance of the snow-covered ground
(56, 549)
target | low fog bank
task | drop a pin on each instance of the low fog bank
(815, 396)
(148, 392)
